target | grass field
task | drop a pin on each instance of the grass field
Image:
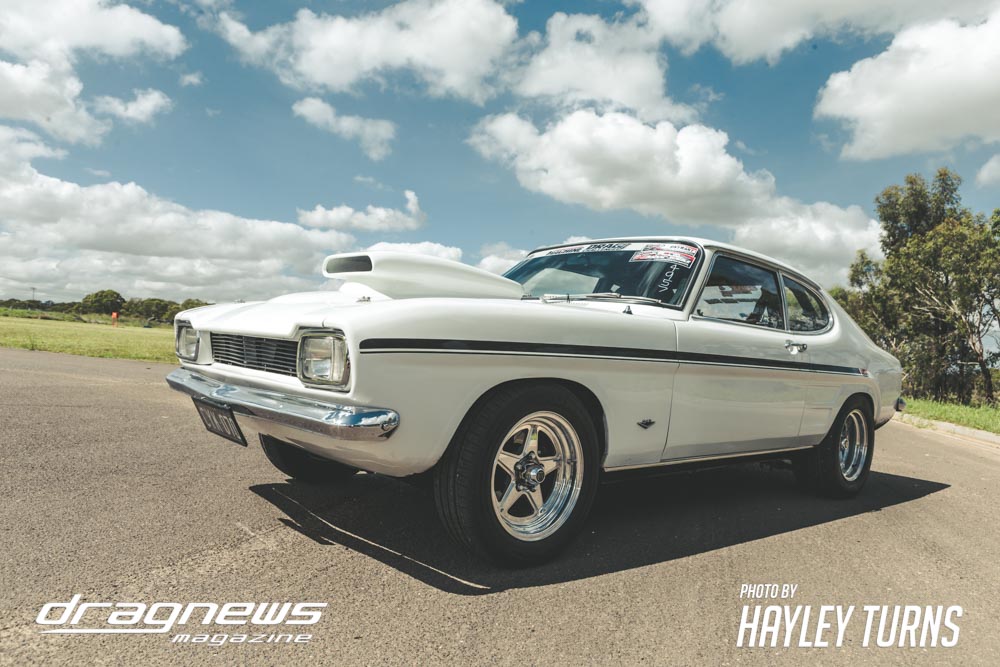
(89, 340)
(38, 314)
(983, 418)
(92, 318)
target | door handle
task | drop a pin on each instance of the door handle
(795, 348)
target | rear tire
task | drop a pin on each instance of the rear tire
(302, 466)
(839, 466)
(520, 476)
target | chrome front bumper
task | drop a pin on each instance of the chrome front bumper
(339, 422)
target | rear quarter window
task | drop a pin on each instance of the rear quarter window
(806, 310)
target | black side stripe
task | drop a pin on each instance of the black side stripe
(446, 346)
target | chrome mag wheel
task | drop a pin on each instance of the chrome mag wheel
(537, 476)
(853, 450)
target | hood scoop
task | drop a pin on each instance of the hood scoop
(406, 276)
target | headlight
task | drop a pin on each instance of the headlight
(323, 359)
(186, 341)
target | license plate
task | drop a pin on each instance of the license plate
(219, 420)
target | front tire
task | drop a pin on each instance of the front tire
(302, 466)
(839, 466)
(520, 475)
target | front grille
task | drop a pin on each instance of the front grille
(273, 355)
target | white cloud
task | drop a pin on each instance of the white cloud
(372, 219)
(67, 239)
(498, 257)
(18, 147)
(821, 239)
(989, 173)
(371, 182)
(748, 30)
(142, 109)
(587, 60)
(421, 248)
(933, 87)
(374, 135)
(47, 37)
(48, 96)
(614, 161)
(191, 79)
(100, 173)
(55, 29)
(468, 49)
(452, 46)
(686, 23)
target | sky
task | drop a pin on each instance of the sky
(219, 149)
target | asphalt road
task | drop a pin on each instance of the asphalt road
(112, 489)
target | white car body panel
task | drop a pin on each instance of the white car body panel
(653, 364)
(728, 409)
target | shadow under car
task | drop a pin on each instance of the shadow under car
(646, 521)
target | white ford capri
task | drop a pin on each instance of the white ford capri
(517, 394)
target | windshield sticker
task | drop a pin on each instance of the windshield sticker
(675, 247)
(606, 247)
(667, 281)
(679, 252)
(565, 251)
(654, 254)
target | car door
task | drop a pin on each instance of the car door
(835, 365)
(740, 384)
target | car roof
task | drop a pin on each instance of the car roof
(704, 243)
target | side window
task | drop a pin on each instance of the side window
(806, 311)
(741, 292)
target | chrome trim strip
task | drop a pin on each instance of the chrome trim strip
(341, 422)
(784, 303)
(695, 459)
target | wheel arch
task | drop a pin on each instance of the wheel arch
(583, 393)
(867, 398)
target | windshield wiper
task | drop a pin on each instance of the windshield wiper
(603, 296)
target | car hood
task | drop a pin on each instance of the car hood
(279, 317)
(359, 278)
(355, 306)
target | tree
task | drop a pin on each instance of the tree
(106, 301)
(935, 298)
(873, 304)
(188, 304)
(133, 307)
(157, 309)
(914, 208)
(952, 270)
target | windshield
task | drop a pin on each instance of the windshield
(660, 270)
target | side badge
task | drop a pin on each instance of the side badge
(646, 423)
